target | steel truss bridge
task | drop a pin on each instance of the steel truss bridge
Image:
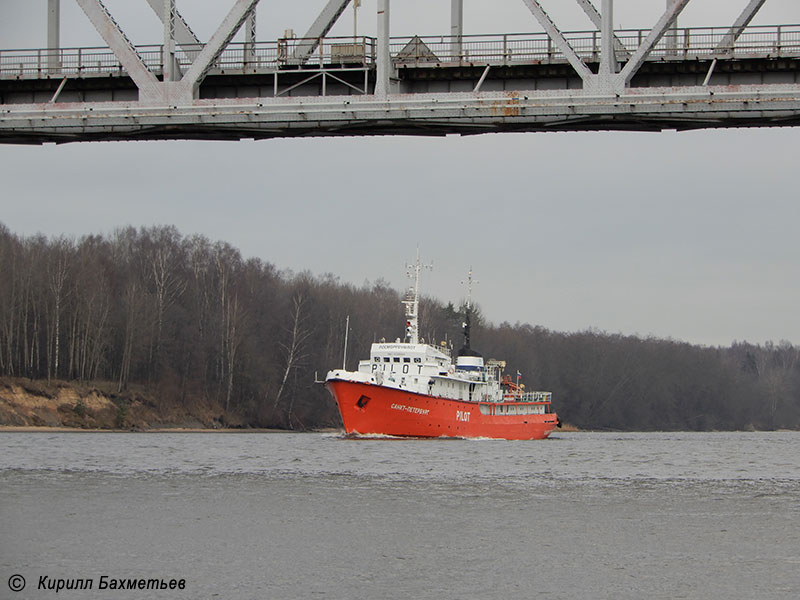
(663, 77)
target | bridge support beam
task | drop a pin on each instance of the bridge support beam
(672, 34)
(53, 35)
(597, 21)
(608, 58)
(250, 39)
(456, 28)
(169, 60)
(384, 59)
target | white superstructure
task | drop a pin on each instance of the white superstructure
(429, 370)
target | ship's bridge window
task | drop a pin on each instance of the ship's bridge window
(386, 359)
(396, 359)
(406, 359)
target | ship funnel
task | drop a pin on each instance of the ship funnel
(472, 362)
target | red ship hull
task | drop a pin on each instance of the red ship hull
(369, 409)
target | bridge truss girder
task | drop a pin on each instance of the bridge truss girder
(185, 88)
(170, 108)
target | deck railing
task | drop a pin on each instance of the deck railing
(530, 397)
(238, 57)
(332, 52)
(531, 48)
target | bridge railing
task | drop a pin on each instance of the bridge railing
(531, 48)
(44, 62)
(499, 49)
(237, 57)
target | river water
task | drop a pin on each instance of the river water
(274, 516)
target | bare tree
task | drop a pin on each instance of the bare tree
(58, 270)
(232, 316)
(130, 300)
(130, 304)
(201, 262)
(164, 264)
(33, 303)
(293, 349)
(9, 299)
(233, 329)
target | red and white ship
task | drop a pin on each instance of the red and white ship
(413, 389)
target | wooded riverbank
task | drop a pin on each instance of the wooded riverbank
(144, 327)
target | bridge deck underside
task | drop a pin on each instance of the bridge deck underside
(427, 100)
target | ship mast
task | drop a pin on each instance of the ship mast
(469, 281)
(412, 300)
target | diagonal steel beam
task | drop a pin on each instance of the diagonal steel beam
(726, 45)
(559, 39)
(658, 31)
(597, 21)
(218, 42)
(319, 29)
(183, 33)
(121, 46)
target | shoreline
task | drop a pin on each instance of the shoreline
(232, 430)
(37, 406)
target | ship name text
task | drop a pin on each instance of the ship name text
(377, 367)
(410, 409)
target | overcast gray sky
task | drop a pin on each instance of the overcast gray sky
(692, 236)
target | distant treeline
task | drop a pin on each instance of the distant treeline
(194, 321)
